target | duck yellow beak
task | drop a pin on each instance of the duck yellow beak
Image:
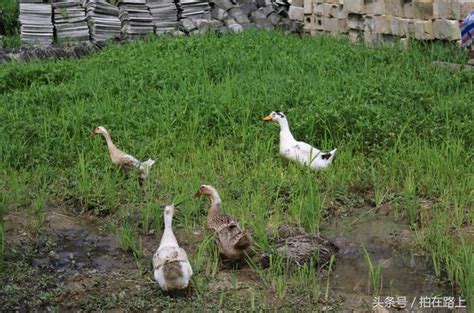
(267, 118)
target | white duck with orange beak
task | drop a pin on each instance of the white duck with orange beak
(122, 159)
(299, 151)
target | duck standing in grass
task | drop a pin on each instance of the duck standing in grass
(170, 262)
(231, 240)
(122, 159)
(299, 151)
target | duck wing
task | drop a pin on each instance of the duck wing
(168, 254)
(128, 160)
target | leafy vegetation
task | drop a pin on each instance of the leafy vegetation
(403, 128)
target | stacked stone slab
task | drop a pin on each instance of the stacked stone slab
(325, 16)
(36, 23)
(379, 21)
(136, 18)
(70, 21)
(103, 20)
(195, 9)
(164, 14)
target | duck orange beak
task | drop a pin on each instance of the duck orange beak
(93, 133)
(267, 118)
(197, 194)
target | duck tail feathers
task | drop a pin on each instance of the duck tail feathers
(244, 242)
(145, 167)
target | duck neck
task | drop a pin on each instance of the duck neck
(168, 221)
(285, 133)
(215, 203)
(168, 238)
(108, 139)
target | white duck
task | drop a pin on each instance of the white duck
(122, 159)
(299, 151)
(170, 262)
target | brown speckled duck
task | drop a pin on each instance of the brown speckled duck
(122, 159)
(231, 240)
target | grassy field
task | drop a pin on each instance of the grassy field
(403, 128)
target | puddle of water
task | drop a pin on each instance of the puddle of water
(71, 247)
(388, 244)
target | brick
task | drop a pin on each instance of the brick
(408, 10)
(399, 26)
(355, 6)
(372, 39)
(379, 7)
(355, 21)
(335, 25)
(318, 9)
(297, 3)
(296, 13)
(466, 6)
(423, 30)
(446, 29)
(423, 9)
(308, 6)
(382, 24)
(369, 6)
(330, 10)
(369, 24)
(394, 7)
(354, 35)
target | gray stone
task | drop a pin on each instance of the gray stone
(224, 4)
(229, 20)
(218, 13)
(187, 25)
(248, 8)
(261, 3)
(296, 13)
(268, 10)
(235, 28)
(297, 3)
(274, 18)
(239, 15)
(258, 15)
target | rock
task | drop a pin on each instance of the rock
(446, 29)
(229, 20)
(268, 10)
(187, 25)
(274, 18)
(248, 8)
(296, 13)
(423, 30)
(239, 15)
(224, 4)
(218, 13)
(235, 28)
(257, 16)
(301, 249)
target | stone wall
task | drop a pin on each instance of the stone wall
(43, 22)
(377, 21)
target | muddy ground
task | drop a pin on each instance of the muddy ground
(75, 263)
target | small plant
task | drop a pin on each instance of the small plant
(128, 241)
(375, 275)
(410, 199)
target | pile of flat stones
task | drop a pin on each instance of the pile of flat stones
(70, 21)
(235, 16)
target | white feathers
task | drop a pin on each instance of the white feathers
(172, 270)
(299, 151)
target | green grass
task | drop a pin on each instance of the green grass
(403, 128)
(10, 24)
